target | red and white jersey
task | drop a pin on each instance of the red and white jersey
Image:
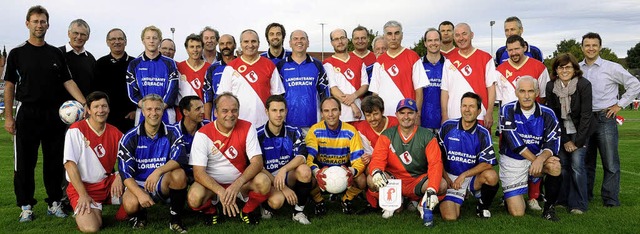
(397, 77)
(369, 59)
(252, 82)
(509, 75)
(369, 135)
(348, 76)
(95, 155)
(225, 156)
(191, 80)
(447, 53)
(473, 73)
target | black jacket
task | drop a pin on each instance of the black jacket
(581, 113)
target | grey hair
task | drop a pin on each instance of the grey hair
(376, 39)
(151, 97)
(514, 19)
(82, 23)
(527, 78)
(392, 23)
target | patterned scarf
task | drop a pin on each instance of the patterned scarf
(564, 94)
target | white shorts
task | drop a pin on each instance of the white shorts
(458, 195)
(513, 175)
(157, 195)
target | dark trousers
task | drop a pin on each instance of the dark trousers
(35, 125)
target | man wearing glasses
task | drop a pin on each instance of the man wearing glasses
(81, 63)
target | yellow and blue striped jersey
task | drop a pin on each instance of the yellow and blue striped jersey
(338, 147)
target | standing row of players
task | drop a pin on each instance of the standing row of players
(303, 80)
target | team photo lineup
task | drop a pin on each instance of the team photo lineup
(234, 134)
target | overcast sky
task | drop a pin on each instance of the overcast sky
(545, 22)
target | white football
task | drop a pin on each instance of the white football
(71, 111)
(336, 179)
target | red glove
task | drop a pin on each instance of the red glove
(320, 176)
(349, 175)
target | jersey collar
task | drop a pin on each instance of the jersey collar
(162, 131)
(471, 130)
(309, 59)
(537, 111)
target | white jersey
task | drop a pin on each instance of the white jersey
(509, 75)
(473, 73)
(225, 156)
(348, 76)
(397, 77)
(94, 155)
(252, 82)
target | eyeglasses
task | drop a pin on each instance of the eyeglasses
(342, 38)
(567, 67)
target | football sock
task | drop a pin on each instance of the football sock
(488, 192)
(302, 191)
(552, 187)
(316, 194)
(178, 197)
(255, 199)
(351, 193)
(534, 188)
(372, 198)
(141, 214)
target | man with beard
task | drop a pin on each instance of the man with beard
(513, 26)
(210, 38)
(347, 76)
(275, 34)
(227, 46)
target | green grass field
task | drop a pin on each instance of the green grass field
(623, 219)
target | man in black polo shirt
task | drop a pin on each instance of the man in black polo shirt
(81, 63)
(34, 75)
(110, 77)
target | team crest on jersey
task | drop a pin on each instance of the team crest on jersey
(508, 74)
(252, 76)
(406, 158)
(196, 84)
(349, 74)
(217, 145)
(231, 152)
(99, 151)
(242, 68)
(466, 70)
(393, 70)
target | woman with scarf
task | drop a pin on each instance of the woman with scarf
(569, 95)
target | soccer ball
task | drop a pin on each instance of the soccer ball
(336, 179)
(71, 111)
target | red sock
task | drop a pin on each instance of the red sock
(372, 198)
(255, 199)
(206, 208)
(121, 214)
(534, 189)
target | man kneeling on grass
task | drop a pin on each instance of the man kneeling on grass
(90, 149)
(227, 161)
(285, 159)
(151, 171)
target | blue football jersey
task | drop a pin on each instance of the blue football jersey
(538, 132)
(464, 149)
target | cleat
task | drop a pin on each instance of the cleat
(347, 207)
(577, 212)
(265, 213)
(550, 214)
(211, 219)
(27, 214)
(483, 213)
(249, 218)
(320, 209)
(177, 227)
(137, 223)
(56, 209)
(386, 214)
(412, 206)
(300, 217)
(533, 205)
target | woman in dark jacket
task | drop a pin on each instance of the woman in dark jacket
(569, 95)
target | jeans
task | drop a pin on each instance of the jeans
(573, 191)
(605, 140)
